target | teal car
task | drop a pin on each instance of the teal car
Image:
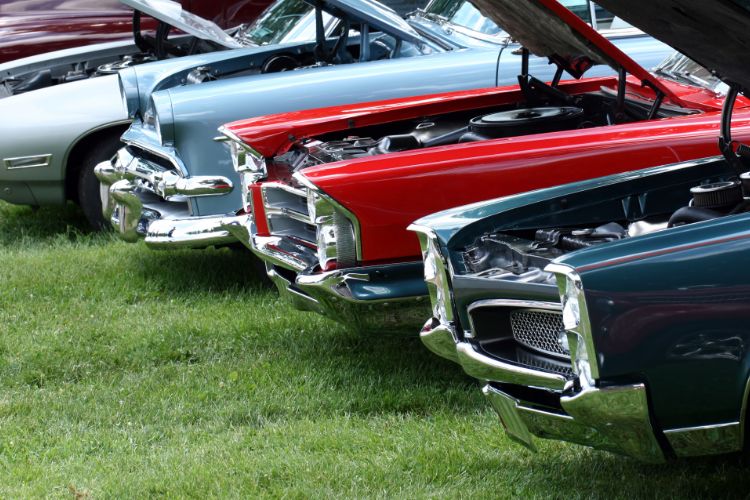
(613, 312)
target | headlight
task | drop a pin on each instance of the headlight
(435, 276)
(576, 321)
(158, 115)
(334, 231)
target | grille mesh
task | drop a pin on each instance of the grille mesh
(549, 365)
(538, 330)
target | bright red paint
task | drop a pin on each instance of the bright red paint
(388, 192)
(272, 135)
(28, 28)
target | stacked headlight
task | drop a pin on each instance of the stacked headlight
(334, 231)
(576, 321)
(436, 277)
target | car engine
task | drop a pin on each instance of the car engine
(513, 257)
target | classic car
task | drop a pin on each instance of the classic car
(330, 192)
(66, 110)
(29, 27)
(612, 312)
(170, 143)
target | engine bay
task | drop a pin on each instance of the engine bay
(338, 48)
(545, 109)
(522, 256)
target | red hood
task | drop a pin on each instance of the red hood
(273, 135)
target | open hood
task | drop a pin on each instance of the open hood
(714, 33)
(173, 14)
(374, 13)
(377, 15)
(548, 29)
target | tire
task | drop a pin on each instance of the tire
(89, 197)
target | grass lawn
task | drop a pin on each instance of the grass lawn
(128, 373)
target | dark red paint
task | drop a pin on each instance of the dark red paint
(29, 27)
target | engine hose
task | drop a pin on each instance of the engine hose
(690, 215)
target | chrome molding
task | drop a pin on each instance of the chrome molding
(299, 177)
(615, 419)
(193, 232)
(528, 305)
(584, 328)
(485, 368)
(143, 199)
(440, 339)
(743, 413)
(21, 162)
(706, 439)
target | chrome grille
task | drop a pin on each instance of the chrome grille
(548, 365)
(538, 330)
(286, 211)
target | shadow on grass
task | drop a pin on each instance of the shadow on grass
(184, 272)
(26, 225)
(571, 471)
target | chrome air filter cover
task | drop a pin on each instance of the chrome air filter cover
(527, 121)
(718, 195)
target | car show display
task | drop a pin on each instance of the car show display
(330, 192)
(610, 312)
(552, 194)
(420, 55)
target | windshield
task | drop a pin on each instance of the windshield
(284, 21)
(682, 69)
(462, 13)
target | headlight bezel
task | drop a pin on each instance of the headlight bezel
(246, 161)
(337, 229)
(436, 275)
(576, 321)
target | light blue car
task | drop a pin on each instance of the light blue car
(175, 185)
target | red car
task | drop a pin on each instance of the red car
(29, 27)
(330, 192)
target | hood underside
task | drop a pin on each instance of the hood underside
(173, 14)
(540, 30)
(714, 33)
(548, 29)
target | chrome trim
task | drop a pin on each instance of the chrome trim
(156, 179)
(743, 412)
(706, 439)
(327, 293)
(612, 418)
(246, 159)
(193, 232)
(440, 339)
(300, 177)
(21, 162)
(145, 200)
(584, 328)
(514, 304)
(485, 368)
(126, 216)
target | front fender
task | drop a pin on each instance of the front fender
(51, 121)
(673, 307)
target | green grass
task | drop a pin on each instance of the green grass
(128, 373)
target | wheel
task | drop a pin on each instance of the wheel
(89, 197)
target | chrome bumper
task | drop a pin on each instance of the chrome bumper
(612, 418)
(144, 200)
(292, 267)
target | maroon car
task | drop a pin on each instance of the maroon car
(29, 27)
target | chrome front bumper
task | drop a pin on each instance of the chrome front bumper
(144, 200)
(615, 418)
(356, 297)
